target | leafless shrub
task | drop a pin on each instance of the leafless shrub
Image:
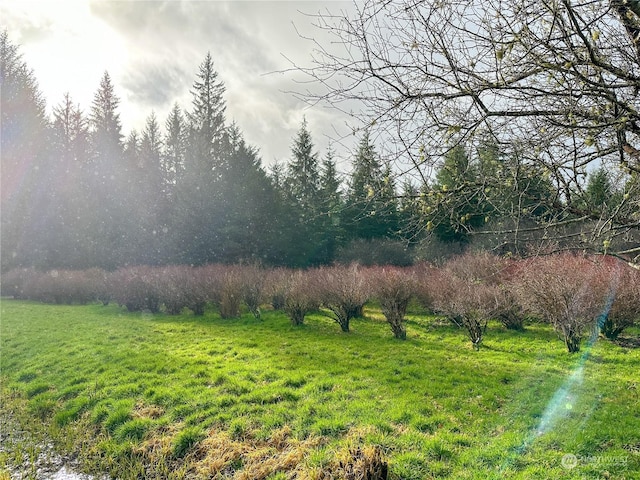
(276, 284)
(466, 302)
(393, 288)
(17, 283)
(622, 307)
(173, 283)
(253, 283)
(343, 290)
(424, 276)
(300, 297)
(566, 291)
(136, 288)
(230, 292)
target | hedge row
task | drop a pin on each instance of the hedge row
(578, 295)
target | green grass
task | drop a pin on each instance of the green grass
(138, 393)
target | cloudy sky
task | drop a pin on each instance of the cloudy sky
(152, 50)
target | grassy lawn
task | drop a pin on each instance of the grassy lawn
(157, 396)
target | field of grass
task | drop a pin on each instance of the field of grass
(155, 396)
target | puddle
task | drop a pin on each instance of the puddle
(65, 474)
(24, 458)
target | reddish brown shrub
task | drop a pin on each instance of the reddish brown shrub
(565, 290)
(622, 308)
(17, 283)
(101, 281)
(63, 287)
(466, 302)
(343, 290)
(173, 285)
(137, 288)
(300, 297)
(479, 267)
(230, 293)
(424, 275)
(253, 286)
(276, 285)
(394, 289)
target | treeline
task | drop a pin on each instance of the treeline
(185, 190)
(578, 295)
(188, 189)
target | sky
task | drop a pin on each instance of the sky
(152, 50)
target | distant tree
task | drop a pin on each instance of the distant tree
(554, 84)
(195, 223)
(206, 120)
(249, 229)
(132, 149)
(410, 213)
(23, 142)
(112, 224)
(453, 213)
(70, 178)
(148, 195)
(303, 176)
(598, 195)
(330, 206)
(370, 210)
(301, 188)
(173, 157)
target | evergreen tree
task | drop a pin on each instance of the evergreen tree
(330, 195)
(303, 177)
(24, 139)
(70, 178)
(302, 187)
(206, 119)
(453, 210)
(174, 149)
(149, 201)
(249, 229)
(198, 194)
(371, 210)
(409, 212)
(111, 179)
(132, 149)
(330, 229)
(599, 193)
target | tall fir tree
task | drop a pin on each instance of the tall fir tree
(70, 150)
(370, 211)
(302, 186)
(330, 208)
(303, 177)
(173, 157)
(24, 140)
(195, 223)
(111, 181)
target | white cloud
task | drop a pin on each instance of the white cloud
(152, 49)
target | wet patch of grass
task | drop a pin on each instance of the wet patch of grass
(152, 394)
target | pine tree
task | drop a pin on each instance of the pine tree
(111, 181)
(24, 140)
(370, 210)
(195, 222)
(70, 178)
(330, 228)
(206, 120)
(302, 189)
(303, 177)
(174, 149)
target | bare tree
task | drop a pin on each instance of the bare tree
(553, 84)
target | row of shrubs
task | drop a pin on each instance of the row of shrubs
(577, 295)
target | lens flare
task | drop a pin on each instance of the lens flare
(563, 401)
